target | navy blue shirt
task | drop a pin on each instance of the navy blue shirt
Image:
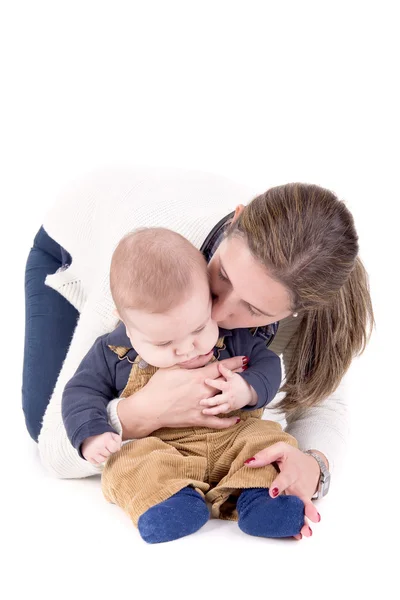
(102, 376)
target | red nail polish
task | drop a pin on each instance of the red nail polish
(249, 460)
(245, 360)
(238, 420)
(319, 517)
(245, 367)
(310, 531)
(275, 492)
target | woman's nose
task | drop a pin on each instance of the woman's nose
(223, 308)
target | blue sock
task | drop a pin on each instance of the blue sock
(263, 516)
(182, 514)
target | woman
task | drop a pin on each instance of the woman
(286, 264)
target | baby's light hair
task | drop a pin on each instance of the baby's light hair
(153, 269)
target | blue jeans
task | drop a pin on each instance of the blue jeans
(49, 325)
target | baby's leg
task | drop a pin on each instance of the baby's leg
(263, 516)
(182, 514)
(257, 513)
(160, 489)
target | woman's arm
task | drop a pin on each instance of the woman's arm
(170, 399)
(323, 428)
(56, 452)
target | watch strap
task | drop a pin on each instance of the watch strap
(324, 477)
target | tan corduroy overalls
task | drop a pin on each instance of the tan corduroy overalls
(149, 470)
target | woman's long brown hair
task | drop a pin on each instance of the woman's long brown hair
(306, 238)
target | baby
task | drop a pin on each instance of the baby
(160, 287)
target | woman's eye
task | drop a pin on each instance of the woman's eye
(222, 276)
(252, 312)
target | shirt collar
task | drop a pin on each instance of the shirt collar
(118, 337)
(225, 332)
(215, 237)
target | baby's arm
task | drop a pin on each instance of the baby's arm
(254, 388)
(97, 448)
(84, 407)
(264, 373)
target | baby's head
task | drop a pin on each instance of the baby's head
(160, 287)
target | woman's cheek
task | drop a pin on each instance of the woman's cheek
(212, 337)
(216, 286)
(215, 282)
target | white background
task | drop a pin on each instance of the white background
(265, 93)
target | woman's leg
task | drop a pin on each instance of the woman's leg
(49, 324)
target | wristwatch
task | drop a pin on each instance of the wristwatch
(324, 476)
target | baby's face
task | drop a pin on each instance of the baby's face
(178, 336)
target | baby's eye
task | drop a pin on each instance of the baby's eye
(163, 345)
(200, 329)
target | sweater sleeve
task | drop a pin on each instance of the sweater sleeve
(86, 395)
(323, 427)
(80, 221)
(57, 454)
(264, 371)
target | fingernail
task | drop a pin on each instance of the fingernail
(238, 420)
(245, 367)
(319, 517)
(275, 492)
(249, 460)
(245, 360)
(310, 531)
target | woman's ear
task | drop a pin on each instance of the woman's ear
(116, 314)
(238, 211)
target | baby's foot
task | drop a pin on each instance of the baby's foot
(182, 514)
(261, 515)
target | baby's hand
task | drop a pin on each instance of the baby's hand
(235, 393)
(97, 448)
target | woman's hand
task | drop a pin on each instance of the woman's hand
(298, 476)
(172, 399)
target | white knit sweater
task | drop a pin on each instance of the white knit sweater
(88, 220)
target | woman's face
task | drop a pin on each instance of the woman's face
(243, 293)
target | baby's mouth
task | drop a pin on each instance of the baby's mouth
(188, 362)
